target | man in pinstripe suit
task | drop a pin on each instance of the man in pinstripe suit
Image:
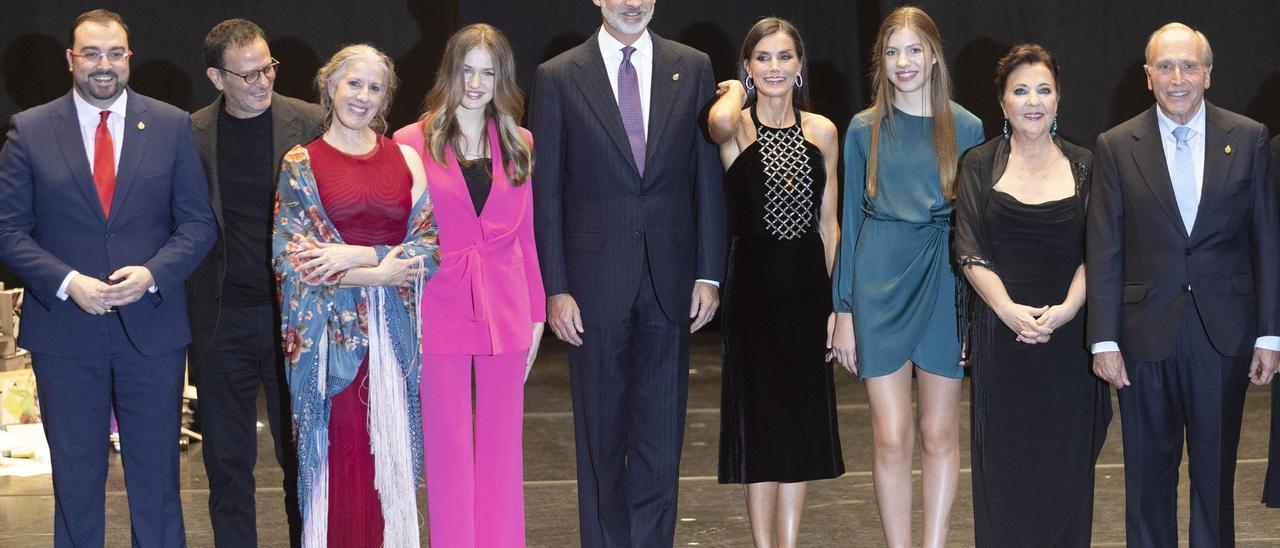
(630, 230)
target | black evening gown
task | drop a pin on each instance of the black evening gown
(1039, 415)
(778, 405)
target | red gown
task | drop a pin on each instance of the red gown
(368, 200)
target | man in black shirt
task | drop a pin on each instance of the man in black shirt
(241, 138)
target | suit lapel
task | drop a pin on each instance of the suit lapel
(136, 136)
(66, 128)
(205, 130)
(593, 80)
(286, 131)
(1148, 153)
(663, 82)
(1217, 162)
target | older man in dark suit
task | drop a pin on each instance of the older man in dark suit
(1184, 289)
(235, 348)
(1271, 484)
(103, 215)
(630, 212)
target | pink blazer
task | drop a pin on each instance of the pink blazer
(488, 290)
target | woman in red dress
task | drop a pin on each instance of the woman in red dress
(354, 241)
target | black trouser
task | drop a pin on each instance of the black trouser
(1197, 393)
(244, 356)
(630, 385)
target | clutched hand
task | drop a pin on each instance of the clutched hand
(397, 270)
(128, 284)
(324, 263)
(1021, 319)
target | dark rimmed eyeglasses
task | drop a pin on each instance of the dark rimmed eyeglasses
(252, 76)
(94, 56)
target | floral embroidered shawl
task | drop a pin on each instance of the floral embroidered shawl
(326, 329)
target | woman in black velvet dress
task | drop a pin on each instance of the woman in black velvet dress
(1039, 415)
(778, 420)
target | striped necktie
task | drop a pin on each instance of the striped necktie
(629, 106)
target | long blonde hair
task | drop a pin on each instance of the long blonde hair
(439, 125)
(944, 131)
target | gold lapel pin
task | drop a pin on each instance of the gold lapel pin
(141, 126)
(1227, 149)
(675, 77)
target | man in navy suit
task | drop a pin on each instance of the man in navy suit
(630, 230)
(103, 215)
(1184, 289)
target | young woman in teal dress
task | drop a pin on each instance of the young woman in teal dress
(894, 291)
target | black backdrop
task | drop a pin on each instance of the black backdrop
(1098, 43)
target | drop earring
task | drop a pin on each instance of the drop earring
(1005, 131)
(1053, 131)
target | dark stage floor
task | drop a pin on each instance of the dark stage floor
(839, 512)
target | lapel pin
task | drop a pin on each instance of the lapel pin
(1227, 149)
(675, 77)
(141, 126)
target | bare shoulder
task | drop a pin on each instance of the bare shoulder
(820, 129)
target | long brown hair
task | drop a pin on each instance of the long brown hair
(439, 125)
(944, 131)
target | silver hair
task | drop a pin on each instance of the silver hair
(1206, 52)
(326, 76)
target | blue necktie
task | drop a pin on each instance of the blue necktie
(629, 106)
(1183, 177)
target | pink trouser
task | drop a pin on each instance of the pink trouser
(475, 484)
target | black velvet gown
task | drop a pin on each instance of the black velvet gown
(1039, 414)
(778, 406)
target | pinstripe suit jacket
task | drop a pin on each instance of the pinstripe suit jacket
(597, 218)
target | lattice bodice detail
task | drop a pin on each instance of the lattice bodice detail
(788, 208)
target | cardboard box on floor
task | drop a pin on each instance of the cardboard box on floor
(9, 300)
(16, 361)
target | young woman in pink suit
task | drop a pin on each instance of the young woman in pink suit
(484, 310)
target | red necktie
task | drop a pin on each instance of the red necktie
(104, 164)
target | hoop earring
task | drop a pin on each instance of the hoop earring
(799, 80)
(1053, 131)
(749, 83)
(1005, 131)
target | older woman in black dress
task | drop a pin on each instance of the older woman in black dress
(1039, 415)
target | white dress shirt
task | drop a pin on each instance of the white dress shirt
(1196, 142)
(641, 58)
(88, 117)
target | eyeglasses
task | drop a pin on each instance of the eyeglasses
(94, 56)
(1165, 68)
(252, 76)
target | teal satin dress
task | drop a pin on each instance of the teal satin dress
(894, 270)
